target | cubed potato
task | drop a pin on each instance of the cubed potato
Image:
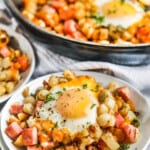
(110, 141)
(22, 116)
(12, 118)
(25, 92)
(28, 108)
(18, 142)
(29, 99)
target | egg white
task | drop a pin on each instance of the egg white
(48, 111)
(124, 21)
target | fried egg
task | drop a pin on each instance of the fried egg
(119, 12)
(74, 104)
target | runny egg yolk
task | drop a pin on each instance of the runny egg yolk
(74, 104)
(117, 9)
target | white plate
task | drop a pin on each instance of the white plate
(142, 106)
(25, 47)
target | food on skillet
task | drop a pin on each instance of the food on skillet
(12, 64)
(73, 112)
(101, 21)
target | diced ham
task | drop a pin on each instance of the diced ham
(38, 106)
(124, 92)
(29, 136)
(33, 148)
(130, 132)
(70, 26)
(16, 108)
(5, 52)
(78, 35)
(13, 130)
(119, 119)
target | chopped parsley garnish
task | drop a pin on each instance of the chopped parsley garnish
(88, 123)
(43, 131)
(92, 106)
(59, 92)
(49, 98)
(111, 11)
(84, 86)
(32, 94)
(137, 113)
(124, 147)
(96, 88)
(38, 145)
(64, 89)
(55, 126)
(122, 1)
(78, 89)
(98, 18)
(102, 97)
(136, 123)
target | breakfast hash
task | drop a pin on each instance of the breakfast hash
(100, 21)
(12, 63)
(74, 112)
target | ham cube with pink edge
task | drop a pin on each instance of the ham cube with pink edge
(29, 136)
(16, 108)
(34, 148)
(13, 130)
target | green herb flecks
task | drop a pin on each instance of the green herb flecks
(111, 11)
(92, 106)
(78, 89)
(96, 88)
(88, 123)
(32, 94)
(49, 98)
(38, 145)
(44, 132)
(124, 147)
(122, 1)
(102, 97)
(55, 126)
(64, 89)
(59, 92)
(136, 123)
(98, 18)
(84, 86)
